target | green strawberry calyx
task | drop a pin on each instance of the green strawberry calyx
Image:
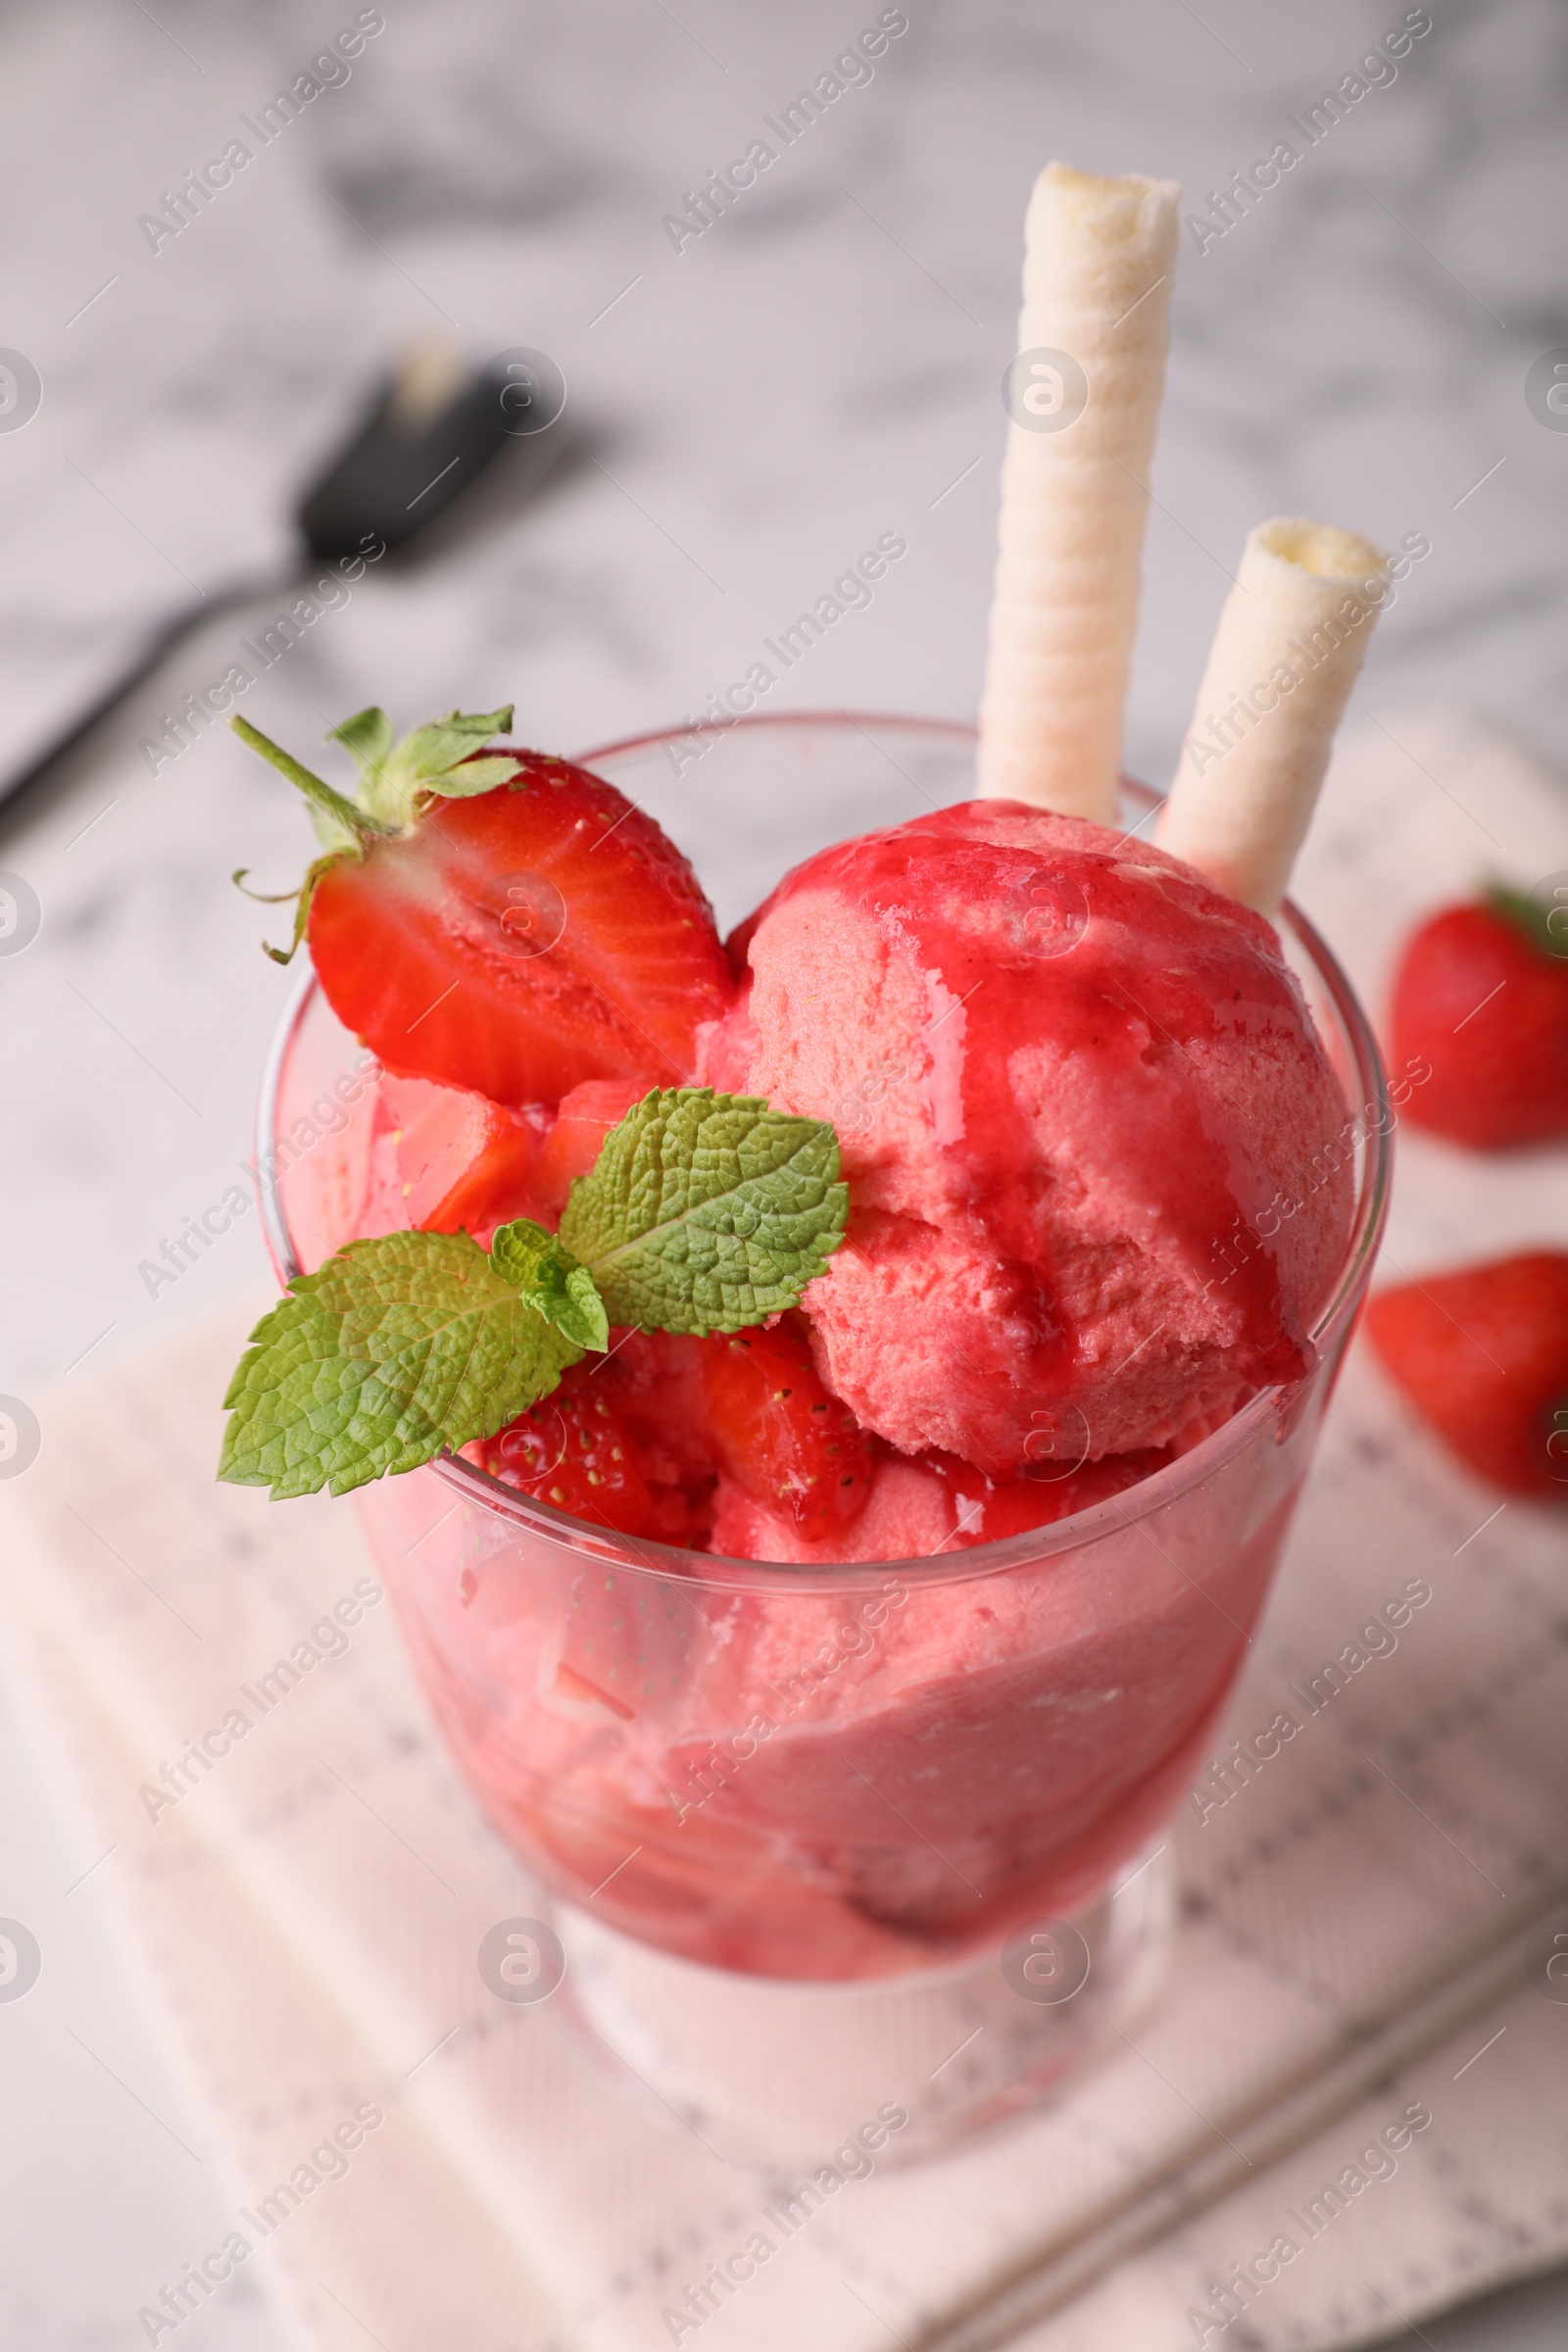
(1545, 926)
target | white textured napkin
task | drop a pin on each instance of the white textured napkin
(1351, 1948)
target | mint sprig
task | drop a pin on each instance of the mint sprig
(394, 1350)
(703, 1212)
(554, 1283)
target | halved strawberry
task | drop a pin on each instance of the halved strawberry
(523, 941)
(1482, 994)
(502, 922)
(1482, 1354)
(779, 1432)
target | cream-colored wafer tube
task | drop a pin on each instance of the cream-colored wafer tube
(1291, 640)
(1083, 395)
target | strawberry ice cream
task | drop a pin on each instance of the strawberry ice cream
(835, 1784)
(1083, 1117)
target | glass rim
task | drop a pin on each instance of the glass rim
(638, 1555)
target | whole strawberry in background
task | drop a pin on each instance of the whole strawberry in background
(1482, 1354)
(1481, 994)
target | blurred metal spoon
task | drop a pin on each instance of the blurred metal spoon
(431, 429)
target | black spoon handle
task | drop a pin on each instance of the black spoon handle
(17, 789)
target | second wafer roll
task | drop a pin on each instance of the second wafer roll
(1291, 637)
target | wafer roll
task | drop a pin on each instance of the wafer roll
(1291, 640)
(1097, 263)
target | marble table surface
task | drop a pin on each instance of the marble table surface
(747, 413)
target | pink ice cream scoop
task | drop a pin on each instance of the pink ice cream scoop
(1086, 1121)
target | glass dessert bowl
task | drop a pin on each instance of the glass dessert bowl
(823, 1840)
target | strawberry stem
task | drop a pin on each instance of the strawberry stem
(240, 878)
(345, 813)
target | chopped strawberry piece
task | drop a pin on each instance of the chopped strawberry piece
(1481, 996)
(923, 1505)
(682, 1517)
(985, 1512)
(572, 1449)
(498, 1186)
(781, 1435)
(445, 1160)
(436, 1132)
(1482, 1354)
(595, 1447)
(653, 1380)
(522, 941)
(572, 1144)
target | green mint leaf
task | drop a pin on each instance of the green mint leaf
(395, 1349)
(707, 1212)
(552, 1281)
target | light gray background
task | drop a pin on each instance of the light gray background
(820, 368)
